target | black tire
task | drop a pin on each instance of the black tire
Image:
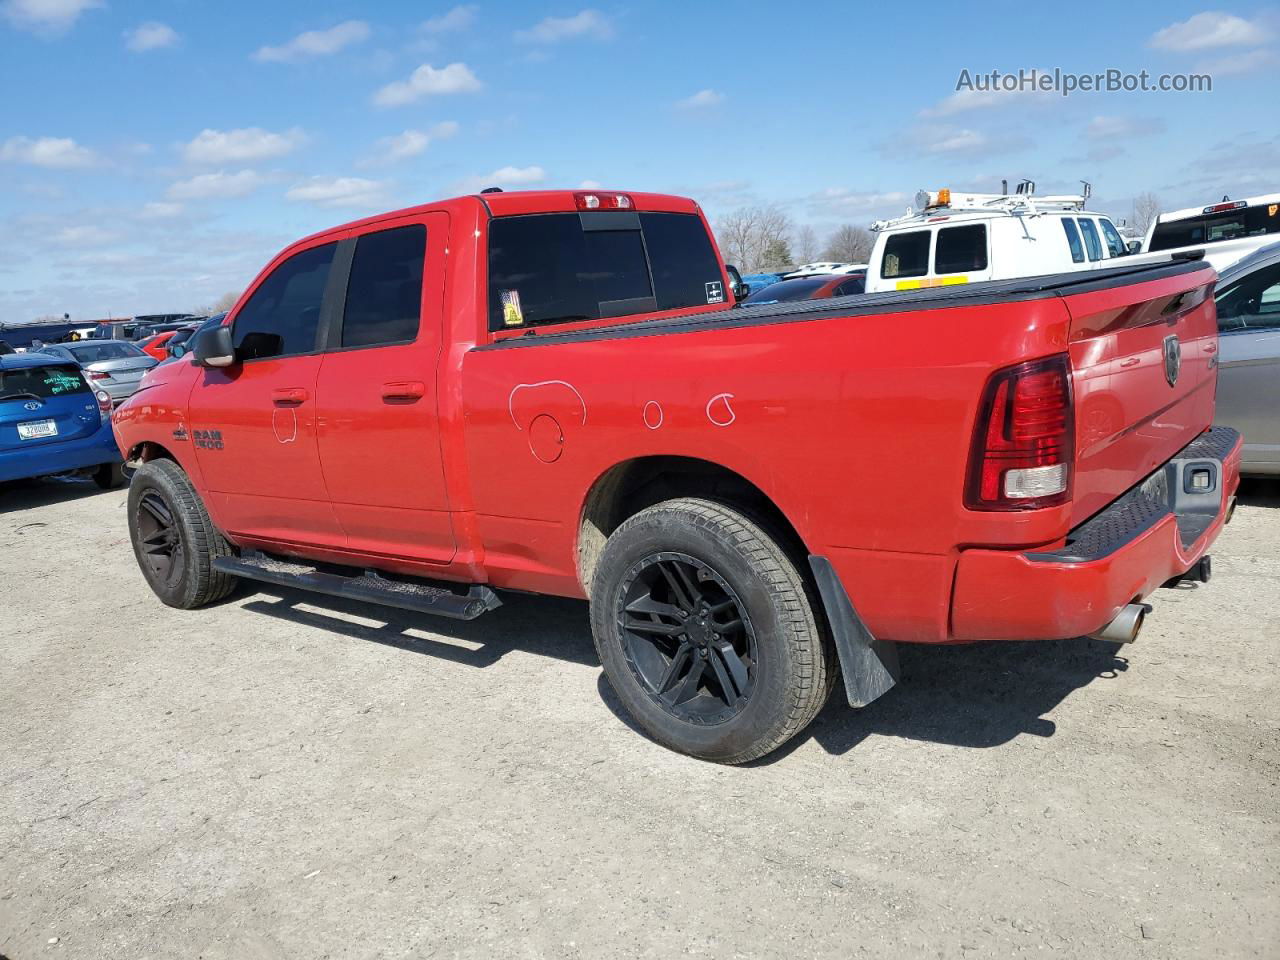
(109, 476)
(168, 522)
(730, 557)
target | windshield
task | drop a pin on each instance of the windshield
(95, 352)
(42, 382)
(800, 289)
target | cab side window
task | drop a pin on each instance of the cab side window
(282, 316)
(1115, 243)
(1091, 241)
(1073, 240)
(906, 254)
(1252, 303)
(384, 291)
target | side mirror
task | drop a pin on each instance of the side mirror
(214, 348)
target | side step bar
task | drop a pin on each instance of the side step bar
(368, 585)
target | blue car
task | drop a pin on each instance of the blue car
(52, 421)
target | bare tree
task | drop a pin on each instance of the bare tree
(1146, 207)
(751, 237)
(806, 247)
(850, 244)
(221, 305)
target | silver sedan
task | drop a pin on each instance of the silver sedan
(1249, 356)
(111, 365)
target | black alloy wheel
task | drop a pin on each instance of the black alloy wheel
(159, 540)
(687, 637)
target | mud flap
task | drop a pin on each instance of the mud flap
(869, 666)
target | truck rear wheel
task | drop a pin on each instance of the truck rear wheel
(173, 538)
(706, 632)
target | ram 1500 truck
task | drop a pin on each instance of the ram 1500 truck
(548, 392)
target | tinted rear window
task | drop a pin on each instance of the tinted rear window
(545, 268)
(961, 249)
(1211, 228)
(110, 350)
(43, 382)
(906, 255)
(384, 292)
(801, 288)
(686, 272)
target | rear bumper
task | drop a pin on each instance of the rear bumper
(1155, 532)
(91, 451)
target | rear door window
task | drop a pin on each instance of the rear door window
(1115, 242)
(961, 249)
(43, 382)
(1091, 241)
(282, 316)
(686, 272)
(1073, 240)
(906, 255)
(1211, 228)
(384, 290)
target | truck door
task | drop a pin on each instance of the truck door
(253, 424)
(379, 425)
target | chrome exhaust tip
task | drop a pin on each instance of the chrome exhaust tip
(1126, 626)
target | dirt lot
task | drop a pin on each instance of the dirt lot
(287, 776)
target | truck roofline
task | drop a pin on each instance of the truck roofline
(1188, 212)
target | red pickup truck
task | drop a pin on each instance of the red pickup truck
(548, 392)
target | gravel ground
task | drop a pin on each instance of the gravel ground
(259, 780)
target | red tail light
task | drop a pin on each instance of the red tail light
(104, 402)
(98, 375)
(603, 201)
(1024, 438)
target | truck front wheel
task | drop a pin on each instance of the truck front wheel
(706, 632)
(173, 538)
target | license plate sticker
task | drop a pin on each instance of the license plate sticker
(35, 429)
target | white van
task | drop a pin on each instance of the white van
(964, 238)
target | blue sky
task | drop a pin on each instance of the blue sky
(154, 155)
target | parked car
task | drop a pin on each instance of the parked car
(1248, 300)
(743, 494)
(115, 366)
(26, 336)
(756, 282)
(815, 269)
(52, 421)
(1227, 231)
(956, 238)
(809, 288)
(154, 345)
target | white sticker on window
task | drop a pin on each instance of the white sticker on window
(715, 292)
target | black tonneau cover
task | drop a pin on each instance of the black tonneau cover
(864, 304)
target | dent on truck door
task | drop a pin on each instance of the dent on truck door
(380, 433)
(253, 424)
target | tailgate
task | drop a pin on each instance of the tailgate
(1144, 362)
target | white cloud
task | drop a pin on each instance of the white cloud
(840, 201)
(1106, 128)
(1208, 30)
(212, 147)
(410, 143)
(703, 98)
(46, 16)
(459, 18)
(159, 210)
(56, 152)
(216, 186)
(963, 101)
(150, 36)
(586, 23)
(338, 192)
(315, 43)
(84, 236)
(503, 177)
(1239, 63)
(590, 185)
(427, 81)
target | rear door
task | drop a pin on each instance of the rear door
(1249, 369)
(253, 424)
(379, 436)
(43, 406)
